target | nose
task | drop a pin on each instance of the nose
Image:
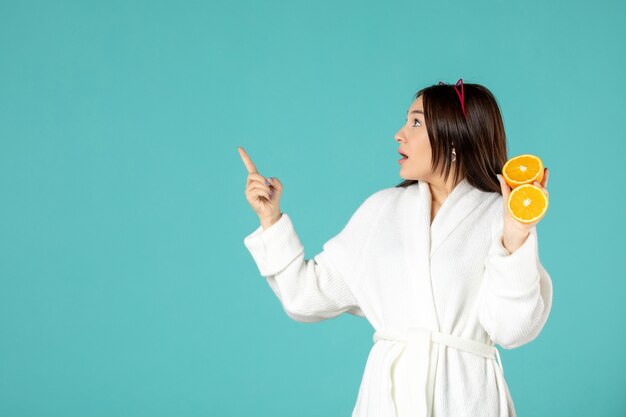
(398, 136)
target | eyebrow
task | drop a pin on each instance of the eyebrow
(417, 111)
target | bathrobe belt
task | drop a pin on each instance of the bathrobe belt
(422, 376)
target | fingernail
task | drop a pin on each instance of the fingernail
(271, 192)
(267, 182)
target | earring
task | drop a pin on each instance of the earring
(453, 155)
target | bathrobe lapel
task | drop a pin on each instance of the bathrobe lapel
(463, 199)
(422, 239)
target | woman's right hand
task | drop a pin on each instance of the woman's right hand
(262, 194)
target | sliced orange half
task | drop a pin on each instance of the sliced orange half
(523, 169)
(527, 203)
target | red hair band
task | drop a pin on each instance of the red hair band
(460, 94)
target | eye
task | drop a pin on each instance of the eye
(416, 120)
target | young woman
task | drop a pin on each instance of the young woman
(436, 264)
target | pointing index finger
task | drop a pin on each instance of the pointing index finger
(247, 161)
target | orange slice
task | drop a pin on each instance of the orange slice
(527, 203)
(523, 169)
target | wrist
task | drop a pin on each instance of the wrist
(512, 241)
(267, 222)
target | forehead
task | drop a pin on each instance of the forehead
(416, 105)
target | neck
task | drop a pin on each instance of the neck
(440, 190)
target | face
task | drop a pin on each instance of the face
(413, 142)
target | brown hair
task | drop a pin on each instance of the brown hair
(479, 141)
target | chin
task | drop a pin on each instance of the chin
(412, 176)
(406, 176)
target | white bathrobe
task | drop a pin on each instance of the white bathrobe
(439, 297)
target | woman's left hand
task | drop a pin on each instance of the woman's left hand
(515, 232)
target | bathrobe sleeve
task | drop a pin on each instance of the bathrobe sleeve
(325, 286)
(515, 293)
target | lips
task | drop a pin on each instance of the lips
(403, 155)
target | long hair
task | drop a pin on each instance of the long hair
(479, 140)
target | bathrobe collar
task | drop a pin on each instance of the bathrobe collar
(420, 240)
(463, 199)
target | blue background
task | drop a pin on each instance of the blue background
(125, 287)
